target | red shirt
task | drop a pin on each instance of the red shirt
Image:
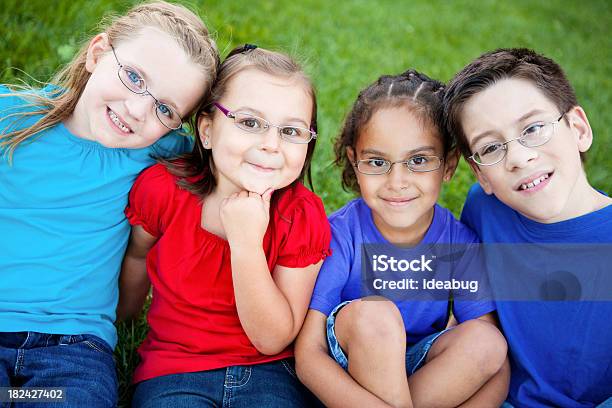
(193, 319)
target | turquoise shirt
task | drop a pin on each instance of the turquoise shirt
(63, 232)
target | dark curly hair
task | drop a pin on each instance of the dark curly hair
(417, 91)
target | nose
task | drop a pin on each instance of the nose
(518, 156)
(139, 106)
(398, 177)
(271, 139)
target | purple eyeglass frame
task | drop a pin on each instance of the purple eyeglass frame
(231, 115)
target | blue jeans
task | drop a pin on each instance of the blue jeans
(82, 364)
(264, 385)
(415, 355)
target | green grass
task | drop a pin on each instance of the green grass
(346, 45)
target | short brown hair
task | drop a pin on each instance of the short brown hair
(494, 66)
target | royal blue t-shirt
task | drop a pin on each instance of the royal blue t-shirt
(340, 276)
(560, 352)
(63, 232)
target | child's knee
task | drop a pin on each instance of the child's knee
(373, 320)
(486, 344)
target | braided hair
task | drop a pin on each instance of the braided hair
(412, 89)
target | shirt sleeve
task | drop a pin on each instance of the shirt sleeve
(471, 268)
(309, 235)
(173, 144)
(150, 199)
(334, 273)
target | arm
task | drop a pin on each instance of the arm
(271, 306)
(134, 283)
(324, 376)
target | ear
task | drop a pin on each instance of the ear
(579, 124)
(204, 125)
(482, 179)
(97, 47)
(350, 153)
(450, 164)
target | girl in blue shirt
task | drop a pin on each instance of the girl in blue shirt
(68, 156)
(355, 350)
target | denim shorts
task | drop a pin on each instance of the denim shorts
(415, 355)
(82, 364)
(265, 385)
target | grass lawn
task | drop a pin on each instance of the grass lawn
(345, 45)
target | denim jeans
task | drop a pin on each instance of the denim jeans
(264, 385)
(82, 364)
(415, 354)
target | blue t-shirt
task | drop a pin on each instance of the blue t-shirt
(560, 352)
(63, 232)
(340, 276)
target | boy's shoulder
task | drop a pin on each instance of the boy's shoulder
(445, 228)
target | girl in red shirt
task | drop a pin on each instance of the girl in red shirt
(231, 242)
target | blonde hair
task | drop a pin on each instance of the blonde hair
(181, 24)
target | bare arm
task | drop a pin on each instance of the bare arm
(322, 374)
(134, 283)
(271, 304)
(271, 307)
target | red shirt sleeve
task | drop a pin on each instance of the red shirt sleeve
(150, 199)
(309, 235)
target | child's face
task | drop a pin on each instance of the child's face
(112, 115)
(401, 201)
(257, 161)
(544, 183)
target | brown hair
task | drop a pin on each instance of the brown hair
(412, 89)
(195, 169)
(181, 24)
(486, 70)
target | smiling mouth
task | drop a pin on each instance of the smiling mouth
(115, 119)
(262, 169)
(534, 183)
(397, 202)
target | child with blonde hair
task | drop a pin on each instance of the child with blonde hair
(69, 155)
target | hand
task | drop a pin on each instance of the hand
(245, 217)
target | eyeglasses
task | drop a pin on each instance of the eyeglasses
(417, 164)
(534, 135)
(254, 124)
(134, 81)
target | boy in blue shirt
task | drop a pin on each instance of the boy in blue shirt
(535, 191)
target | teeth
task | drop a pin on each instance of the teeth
(534, 182)
(117, 122)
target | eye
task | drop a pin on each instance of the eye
(533, 130)
(165, 110)
(249, 123)
(376, 163)
(134, 78)
(292, 132)
(489, 149)
(418, 161)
